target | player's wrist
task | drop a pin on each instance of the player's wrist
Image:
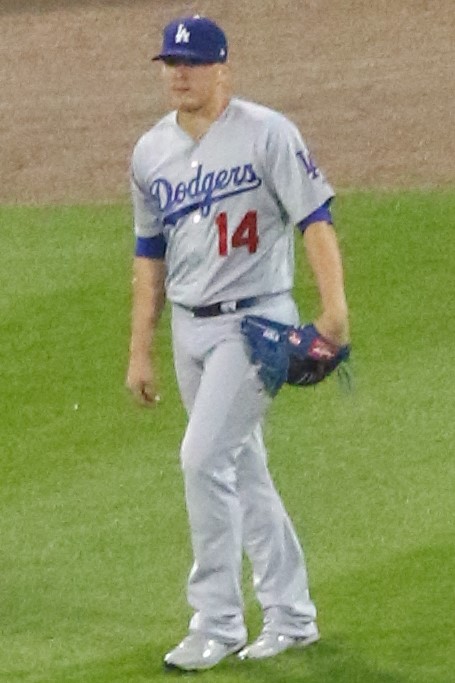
(140, 354)
(334, 326)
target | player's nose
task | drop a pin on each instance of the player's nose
(181, 69)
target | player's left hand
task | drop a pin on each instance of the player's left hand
(300, 356)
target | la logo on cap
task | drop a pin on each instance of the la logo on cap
(182, 35)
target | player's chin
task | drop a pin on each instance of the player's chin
(184, 101)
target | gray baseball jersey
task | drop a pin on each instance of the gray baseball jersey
(223, 209)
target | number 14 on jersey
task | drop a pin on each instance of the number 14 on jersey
(245, 235)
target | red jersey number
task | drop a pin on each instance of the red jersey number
(245, 235)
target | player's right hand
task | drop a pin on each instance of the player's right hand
(140, 381)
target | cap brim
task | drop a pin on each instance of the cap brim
(183, 55)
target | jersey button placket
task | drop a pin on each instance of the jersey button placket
(196, 216)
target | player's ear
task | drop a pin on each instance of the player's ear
(224, 76)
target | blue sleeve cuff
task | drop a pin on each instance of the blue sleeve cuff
(151, 247)
(322, 213)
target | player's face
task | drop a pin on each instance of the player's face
(192, 87)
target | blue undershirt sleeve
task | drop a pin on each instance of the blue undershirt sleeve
(151, 247)
(322, 213)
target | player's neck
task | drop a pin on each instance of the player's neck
(197, 122)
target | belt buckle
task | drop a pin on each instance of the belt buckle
(228, 306)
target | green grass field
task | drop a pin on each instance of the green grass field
(94, 545)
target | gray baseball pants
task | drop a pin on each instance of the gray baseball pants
(231, 501)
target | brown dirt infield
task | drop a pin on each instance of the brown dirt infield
(369, 83)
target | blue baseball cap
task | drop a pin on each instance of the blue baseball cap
(196, 39)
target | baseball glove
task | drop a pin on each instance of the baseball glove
(297, 355)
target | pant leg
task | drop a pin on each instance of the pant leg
(279, 571)
(228, 485)
(229, 402)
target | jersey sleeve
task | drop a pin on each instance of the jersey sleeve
(299, 185)
(148, 227)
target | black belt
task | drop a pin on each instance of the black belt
(223, 307)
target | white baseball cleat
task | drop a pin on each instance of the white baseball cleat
(197, 651)
(269, 644)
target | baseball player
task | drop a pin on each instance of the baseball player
(218, 186)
